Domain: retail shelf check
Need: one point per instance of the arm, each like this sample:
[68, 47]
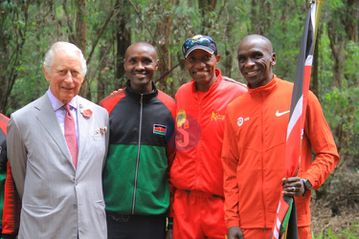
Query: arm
[12, 206]
[171, 151]
[107, 138]
[230, 163]
[322, 143]
[235, 233]
[17, 156]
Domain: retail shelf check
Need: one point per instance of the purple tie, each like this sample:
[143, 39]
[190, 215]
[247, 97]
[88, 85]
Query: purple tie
[70, 134]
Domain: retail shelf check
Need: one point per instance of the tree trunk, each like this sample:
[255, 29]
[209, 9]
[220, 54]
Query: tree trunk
[350, 20]
[228, 53]
[164, 28]
[81, 25]
[103, 68]
[315, 79]
[11, 54]
[123, 40]
[205, 7]
[260, 16]
[337, 45]
[80, 39]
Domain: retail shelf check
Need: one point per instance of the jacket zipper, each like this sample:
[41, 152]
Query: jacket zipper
[138, 156]
[262, 161]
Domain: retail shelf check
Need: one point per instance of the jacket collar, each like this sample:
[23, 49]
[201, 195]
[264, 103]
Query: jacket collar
[213, 86]
[265, 89]
[130, 92]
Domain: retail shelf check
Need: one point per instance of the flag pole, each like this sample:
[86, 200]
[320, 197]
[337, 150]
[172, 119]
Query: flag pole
[286, 211]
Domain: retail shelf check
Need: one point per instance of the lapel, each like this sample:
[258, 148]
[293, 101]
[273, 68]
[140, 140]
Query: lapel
[47, 118]
[83, 129]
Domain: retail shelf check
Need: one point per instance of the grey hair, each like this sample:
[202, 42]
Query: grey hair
[68, 47]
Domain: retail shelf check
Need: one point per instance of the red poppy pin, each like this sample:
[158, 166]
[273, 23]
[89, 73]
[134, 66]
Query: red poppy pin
[86, 113]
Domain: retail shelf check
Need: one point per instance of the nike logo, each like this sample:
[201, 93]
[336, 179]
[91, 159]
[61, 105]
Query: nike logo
[279, 114]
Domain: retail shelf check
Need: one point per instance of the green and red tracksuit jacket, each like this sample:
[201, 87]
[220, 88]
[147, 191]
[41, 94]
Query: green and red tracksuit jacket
[9, 198]
[141, 148]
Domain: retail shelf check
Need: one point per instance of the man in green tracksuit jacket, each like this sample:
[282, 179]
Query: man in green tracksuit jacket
[135, 178]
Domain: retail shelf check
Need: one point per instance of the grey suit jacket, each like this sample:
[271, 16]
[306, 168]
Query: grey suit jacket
[57, 200]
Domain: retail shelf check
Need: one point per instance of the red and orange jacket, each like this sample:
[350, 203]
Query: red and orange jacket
[199, 134]
[254, 150]
[9, 197]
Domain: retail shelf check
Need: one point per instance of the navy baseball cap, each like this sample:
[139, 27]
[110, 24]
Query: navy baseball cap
[202, 42]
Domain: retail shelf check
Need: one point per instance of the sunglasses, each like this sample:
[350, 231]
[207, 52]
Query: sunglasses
[199, 40]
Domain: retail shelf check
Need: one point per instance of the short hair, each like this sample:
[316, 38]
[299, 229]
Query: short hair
[144, 43]
[64, 46]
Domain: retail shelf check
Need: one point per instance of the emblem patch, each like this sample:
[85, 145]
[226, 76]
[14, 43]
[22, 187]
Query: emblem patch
[181, 118]
[217, 116]
[160, 129]
[241, 120]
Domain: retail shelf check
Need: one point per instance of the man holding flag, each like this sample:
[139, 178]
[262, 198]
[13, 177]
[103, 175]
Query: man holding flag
[253, 153]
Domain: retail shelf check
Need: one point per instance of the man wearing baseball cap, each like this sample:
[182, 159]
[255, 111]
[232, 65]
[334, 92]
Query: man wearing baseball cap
[197, 173]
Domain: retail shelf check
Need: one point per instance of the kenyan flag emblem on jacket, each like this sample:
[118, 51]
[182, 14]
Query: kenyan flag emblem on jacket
[159, 129]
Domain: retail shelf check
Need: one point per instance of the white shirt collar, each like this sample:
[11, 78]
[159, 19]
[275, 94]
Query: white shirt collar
[57, 104]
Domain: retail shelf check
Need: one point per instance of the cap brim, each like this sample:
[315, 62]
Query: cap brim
[199, 47]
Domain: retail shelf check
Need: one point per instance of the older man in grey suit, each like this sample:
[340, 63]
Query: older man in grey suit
[56, 146]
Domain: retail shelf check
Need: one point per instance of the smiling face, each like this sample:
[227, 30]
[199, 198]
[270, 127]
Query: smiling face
[255, 60]
[201, 66]
[140, 64]
[65, 74]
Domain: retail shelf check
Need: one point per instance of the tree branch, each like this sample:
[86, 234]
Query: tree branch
[113, 13]
[144, 24]
[68, 22]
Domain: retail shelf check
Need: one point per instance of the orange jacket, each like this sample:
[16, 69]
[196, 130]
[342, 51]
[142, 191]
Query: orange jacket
[199, 134]
[254, 149]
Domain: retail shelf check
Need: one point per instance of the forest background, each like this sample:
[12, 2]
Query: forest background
[104, 29]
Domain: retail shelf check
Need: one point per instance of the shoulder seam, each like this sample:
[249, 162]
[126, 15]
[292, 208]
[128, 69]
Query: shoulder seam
[233, 81]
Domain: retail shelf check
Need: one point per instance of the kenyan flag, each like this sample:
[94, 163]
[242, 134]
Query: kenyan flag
[285, 225]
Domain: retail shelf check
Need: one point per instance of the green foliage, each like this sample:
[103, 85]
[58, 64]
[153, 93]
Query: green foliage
[351, 67]
[325, 62]
[342, 113]
[226, 21]
[282, 21]
[351, 232]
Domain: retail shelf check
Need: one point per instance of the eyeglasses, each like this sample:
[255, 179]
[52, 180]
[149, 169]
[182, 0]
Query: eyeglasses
[199, 42]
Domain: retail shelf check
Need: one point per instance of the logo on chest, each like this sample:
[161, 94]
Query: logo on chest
[281, 113]
[216, 116]
[241, 120]
[188, 131]
[159, 129]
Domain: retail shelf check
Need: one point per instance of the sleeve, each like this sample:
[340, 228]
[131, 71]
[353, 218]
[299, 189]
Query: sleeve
[230, 162]
[17, 156]
[171, 144]
[12, 206]
[171, 153]
[322, 143]
[107, 137]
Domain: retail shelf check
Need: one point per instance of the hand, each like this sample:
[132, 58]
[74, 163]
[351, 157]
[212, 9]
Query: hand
[169, 234]
[115, 92]
[293, 186]
[235, 233]
[169, 227]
